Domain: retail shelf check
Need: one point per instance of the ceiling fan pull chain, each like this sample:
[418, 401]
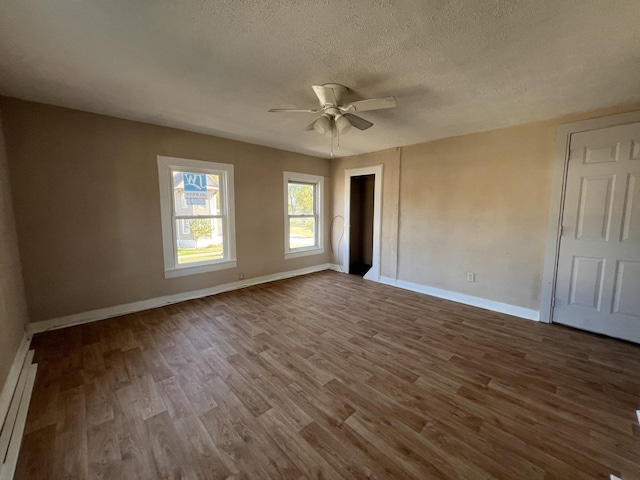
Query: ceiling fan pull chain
[332, 145]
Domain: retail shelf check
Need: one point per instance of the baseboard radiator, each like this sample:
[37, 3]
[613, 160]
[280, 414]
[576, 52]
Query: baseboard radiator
[14, 418]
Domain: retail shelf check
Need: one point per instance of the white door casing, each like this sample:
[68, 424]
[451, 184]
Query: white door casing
[376, 170]
[598, 268]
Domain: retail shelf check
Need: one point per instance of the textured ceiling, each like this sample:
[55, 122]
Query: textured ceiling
[217, 66]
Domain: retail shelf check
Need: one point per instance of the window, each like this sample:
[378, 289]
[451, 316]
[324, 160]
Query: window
[303, 214]
[198, 228]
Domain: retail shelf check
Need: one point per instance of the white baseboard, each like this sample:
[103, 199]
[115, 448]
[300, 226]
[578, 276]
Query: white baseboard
[479, 302]
[10, 384]
[14, 405]
[117, 310]
[11, 438]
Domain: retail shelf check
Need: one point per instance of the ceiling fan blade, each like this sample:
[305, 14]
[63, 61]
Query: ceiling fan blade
[370, 104]
[325, 94]
[293, 110]
[309, 127]
[358, 122]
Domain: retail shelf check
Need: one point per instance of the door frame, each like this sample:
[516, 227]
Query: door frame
[376, 170]
[556, 206]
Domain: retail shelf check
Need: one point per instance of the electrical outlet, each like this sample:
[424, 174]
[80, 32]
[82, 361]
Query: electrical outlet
[471, 277]
[241, 276]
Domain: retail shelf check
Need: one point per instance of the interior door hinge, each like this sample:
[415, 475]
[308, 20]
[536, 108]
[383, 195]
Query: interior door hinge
[553, 302]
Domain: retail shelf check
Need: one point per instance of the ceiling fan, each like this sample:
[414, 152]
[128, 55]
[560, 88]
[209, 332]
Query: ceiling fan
[336, 115]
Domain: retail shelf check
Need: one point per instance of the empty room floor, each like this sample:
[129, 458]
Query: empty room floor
[330, 376]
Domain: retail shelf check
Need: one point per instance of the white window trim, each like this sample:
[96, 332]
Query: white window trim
[319, 208]
[171, 267]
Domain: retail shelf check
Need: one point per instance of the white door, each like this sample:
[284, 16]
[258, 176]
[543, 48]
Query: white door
[598, 279]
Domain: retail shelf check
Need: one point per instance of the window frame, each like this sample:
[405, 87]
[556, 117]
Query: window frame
[168, 208]
[318, 214]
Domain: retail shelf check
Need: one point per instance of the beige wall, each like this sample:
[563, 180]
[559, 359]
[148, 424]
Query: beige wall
[13, 309]
[88, 215]
[390, 160]
[474, 203]
[88, 220]
[480, 203]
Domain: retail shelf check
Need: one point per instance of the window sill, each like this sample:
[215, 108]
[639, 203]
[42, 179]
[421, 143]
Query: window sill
[196, 269]
[303, 252]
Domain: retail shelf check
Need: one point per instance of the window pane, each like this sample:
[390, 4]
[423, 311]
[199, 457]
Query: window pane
[302, 232]
[202, 243]
[196, 193]
[301, 198]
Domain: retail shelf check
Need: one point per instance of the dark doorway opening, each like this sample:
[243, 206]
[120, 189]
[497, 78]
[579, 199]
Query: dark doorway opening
[361, 224]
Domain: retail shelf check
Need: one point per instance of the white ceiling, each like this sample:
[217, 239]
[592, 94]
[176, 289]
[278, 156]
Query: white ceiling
[215, 67]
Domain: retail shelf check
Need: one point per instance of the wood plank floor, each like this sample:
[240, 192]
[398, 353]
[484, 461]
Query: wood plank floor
[330, 376]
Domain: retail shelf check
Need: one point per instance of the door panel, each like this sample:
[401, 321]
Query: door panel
[601, 154]
[635, 150]
[631, 222]
[627, 289]
[598, 277]
[595, 207]
[586, 282]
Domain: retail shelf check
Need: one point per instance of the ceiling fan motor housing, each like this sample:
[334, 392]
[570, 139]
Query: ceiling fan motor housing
[338, 97]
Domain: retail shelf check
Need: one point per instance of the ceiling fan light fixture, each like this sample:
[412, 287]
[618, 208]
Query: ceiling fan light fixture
[322, 125]
[343, 124]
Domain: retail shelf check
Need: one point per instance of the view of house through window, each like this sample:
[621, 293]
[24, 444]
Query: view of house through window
[199, 219]
[197, 208]
[303, 228]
